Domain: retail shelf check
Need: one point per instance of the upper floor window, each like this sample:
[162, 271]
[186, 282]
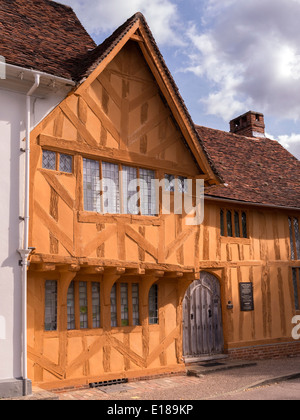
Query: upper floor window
[172, 182]
[57, 161]
[294, 238]
[233, 223]
[118, 189]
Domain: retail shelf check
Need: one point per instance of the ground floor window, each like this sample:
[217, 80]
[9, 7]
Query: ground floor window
[153, 305]
[124, 305]
[83, 305]
[51, 305]
[296, 284]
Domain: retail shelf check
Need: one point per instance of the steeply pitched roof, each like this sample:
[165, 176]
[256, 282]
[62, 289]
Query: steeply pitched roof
[43, 35]
[95, 57]
[256, 170]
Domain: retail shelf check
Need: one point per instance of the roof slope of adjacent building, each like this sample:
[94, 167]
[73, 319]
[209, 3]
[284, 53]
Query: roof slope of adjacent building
[43, 35]
[256, 170]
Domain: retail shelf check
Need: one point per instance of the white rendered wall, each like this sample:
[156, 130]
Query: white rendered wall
[12, 131]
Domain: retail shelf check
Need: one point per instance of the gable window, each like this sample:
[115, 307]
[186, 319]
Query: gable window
[124, 305]
[51, 305]
[296, 284]
[294, 238]
[118, 189]
[233, 223]
[172, 181]
[83, 305]
[54, 161]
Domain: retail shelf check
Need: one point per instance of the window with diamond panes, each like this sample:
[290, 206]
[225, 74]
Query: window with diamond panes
[49, 160]
[294, 237]
[130, 190]
[66, 163]
[118, 189]
[110, 179]
[153, 305]
[51, 305]
[147, 192]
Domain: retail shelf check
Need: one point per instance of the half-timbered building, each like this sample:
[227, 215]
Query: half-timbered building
[118, 288]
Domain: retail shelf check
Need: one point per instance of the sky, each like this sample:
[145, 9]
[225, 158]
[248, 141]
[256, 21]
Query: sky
[226, 56]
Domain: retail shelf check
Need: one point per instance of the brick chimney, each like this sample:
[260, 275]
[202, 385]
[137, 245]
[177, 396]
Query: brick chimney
[251, 124]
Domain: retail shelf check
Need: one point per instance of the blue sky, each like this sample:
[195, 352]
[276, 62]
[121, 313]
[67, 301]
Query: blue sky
[226, 56]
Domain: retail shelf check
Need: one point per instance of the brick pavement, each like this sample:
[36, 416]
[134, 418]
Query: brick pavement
[178, 388]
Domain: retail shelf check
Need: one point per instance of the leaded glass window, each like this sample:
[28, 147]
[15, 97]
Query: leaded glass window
[71, 307]
[124, 305]
[49, 160]
[96, 304]
[113, 306]
[135, 304]
[66, 163]
[51, 305]
[153, 305]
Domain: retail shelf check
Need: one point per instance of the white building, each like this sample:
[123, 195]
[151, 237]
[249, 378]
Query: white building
[38, 53]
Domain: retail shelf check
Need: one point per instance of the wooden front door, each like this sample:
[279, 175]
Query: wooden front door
[202, 318]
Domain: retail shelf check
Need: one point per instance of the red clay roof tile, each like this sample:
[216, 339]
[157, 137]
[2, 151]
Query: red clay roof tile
[43, 35]
[256, 170]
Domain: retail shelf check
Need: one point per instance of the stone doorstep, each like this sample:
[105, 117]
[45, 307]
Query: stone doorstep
[213, 366]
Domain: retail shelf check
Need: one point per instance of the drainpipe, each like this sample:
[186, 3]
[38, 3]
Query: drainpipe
[25, 252]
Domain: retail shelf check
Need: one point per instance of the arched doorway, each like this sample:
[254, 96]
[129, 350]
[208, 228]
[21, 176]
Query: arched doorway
[202, 318]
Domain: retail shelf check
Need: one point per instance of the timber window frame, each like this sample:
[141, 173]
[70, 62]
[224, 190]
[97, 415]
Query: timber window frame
[125, 304]
[50, 321]
[296, 287]
[234, 223]
[171, 181]
[123, 178]
[294, 228]
[59, 162]
[153, 310]
[83, 305]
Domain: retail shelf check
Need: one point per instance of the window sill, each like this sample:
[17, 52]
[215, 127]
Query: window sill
[229, 239]
[93, 217]
[54, 172]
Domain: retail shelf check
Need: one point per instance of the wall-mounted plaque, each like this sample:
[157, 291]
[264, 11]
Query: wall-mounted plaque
[246, 297]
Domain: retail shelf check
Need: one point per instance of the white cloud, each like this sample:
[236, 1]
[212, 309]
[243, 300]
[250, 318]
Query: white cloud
[100, 16]
[249, 51]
